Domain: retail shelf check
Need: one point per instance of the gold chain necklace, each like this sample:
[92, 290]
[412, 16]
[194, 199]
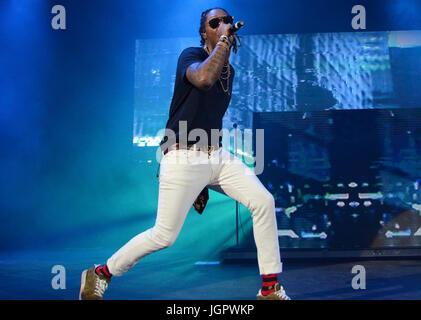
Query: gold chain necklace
[225, 75]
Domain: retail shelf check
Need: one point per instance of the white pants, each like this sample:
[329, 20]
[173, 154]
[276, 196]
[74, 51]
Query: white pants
[183, 175]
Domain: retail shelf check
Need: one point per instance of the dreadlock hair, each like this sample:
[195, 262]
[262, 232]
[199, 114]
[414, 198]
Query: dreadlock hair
[202, 28]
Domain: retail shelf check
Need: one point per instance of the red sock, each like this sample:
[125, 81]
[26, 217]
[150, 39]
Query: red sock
[269, 281]
[103, 269]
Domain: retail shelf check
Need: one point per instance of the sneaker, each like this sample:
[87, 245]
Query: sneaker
[92, 285]
[279, 294]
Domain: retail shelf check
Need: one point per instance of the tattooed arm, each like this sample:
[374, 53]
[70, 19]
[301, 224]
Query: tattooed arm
[203, 75]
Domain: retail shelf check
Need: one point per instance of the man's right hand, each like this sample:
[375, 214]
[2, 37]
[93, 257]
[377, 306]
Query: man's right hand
[224, 29]
[204, 75]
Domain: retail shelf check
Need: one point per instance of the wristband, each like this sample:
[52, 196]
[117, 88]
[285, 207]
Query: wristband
[225, 39]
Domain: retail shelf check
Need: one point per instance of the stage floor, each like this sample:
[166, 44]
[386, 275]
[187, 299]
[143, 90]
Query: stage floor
[164, 276]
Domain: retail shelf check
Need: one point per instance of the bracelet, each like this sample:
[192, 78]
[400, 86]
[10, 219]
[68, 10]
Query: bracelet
[225, 39]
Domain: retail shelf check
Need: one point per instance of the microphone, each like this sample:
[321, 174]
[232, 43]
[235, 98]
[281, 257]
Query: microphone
[237, 26]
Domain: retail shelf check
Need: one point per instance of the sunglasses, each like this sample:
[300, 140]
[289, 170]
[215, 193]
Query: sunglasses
[214, 23]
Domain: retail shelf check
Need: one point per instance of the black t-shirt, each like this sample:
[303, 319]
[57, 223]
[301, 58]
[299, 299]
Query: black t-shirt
[199, 108]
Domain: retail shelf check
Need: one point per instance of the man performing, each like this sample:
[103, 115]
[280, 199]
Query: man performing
[202, 93]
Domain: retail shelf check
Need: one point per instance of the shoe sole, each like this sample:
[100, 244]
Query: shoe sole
[82, 283]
